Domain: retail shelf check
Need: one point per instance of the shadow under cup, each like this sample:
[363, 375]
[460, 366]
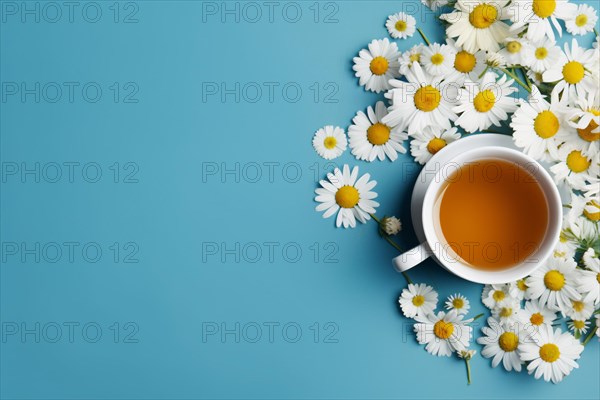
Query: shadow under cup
[492, 215]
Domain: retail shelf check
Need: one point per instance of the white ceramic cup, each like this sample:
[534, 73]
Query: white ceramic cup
[436, 247]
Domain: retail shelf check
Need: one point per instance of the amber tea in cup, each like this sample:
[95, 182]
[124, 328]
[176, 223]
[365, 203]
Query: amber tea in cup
[492, 213]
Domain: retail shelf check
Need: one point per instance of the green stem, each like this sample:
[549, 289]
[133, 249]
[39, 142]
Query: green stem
[394, 245]
[526, 77]
[483, 72]
[477, 317]
[520, 82]
[590, 336]
[423, 36]
[595, 32]
[468, 371]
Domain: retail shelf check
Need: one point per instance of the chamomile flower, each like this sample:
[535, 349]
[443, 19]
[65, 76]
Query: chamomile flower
[419, 102]
[543, 55]
[540, 126]
[371, 139]
[579, 327]
[418, 299]
[438, 59]
[538, 17]
[575, 167]
[501, 344]
[467, 66]
[537, 314]
[585, 117]
[583, 21]
[390, 225]
[589, 279]
[409, 57]
[586, 207]
[566, 247]
[508, 312]
[535, 77]
[580, 309]
[598, 325]
[583, 229]
[554, 284]
[443, 333]
[376, 65]
[330, 142]
[517, 51]
[426, 143]
[495, 60]
[348, 196]
[518, 289]
[495, 295]
[478, 24]
[574, 72]
[551, 354]
[486, 103]
[401, 25]
[459, 303]
[466, 354]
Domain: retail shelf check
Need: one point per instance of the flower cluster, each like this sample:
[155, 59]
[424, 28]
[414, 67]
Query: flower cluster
[444, 332]
[438, 91]
[521, 329]
[435, 93]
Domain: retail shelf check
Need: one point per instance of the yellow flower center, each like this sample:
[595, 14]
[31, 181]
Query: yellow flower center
[401, 26]
[506, 312]
[541, 53]
[546, 124]
[498, 295]
[578, 305]
[536, 319]
[464, 62]
[435, 145]
[443, 329]
[513, 47]
[437, 59]
[579, 324]
[379, 65]
[418, 300]
[347, 196]
[577, 162]
[483, 16]
[484, 101]
[587, 134]
[330, 142]
[581, 20]
[598, 279]
[544, 8]
[573, 72]
[427, 98]
[458, 303]
[378, 134]
[554, 280]
[549, 352]
[522, 285]
[508, 341]
[593, 216]
[415, 58]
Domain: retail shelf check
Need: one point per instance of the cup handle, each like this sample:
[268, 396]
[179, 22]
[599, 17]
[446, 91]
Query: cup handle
[412, 257]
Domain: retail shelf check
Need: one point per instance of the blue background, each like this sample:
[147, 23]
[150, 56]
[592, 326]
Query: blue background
[171, 135]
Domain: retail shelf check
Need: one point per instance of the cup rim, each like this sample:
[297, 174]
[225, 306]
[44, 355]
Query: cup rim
[517, 271]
